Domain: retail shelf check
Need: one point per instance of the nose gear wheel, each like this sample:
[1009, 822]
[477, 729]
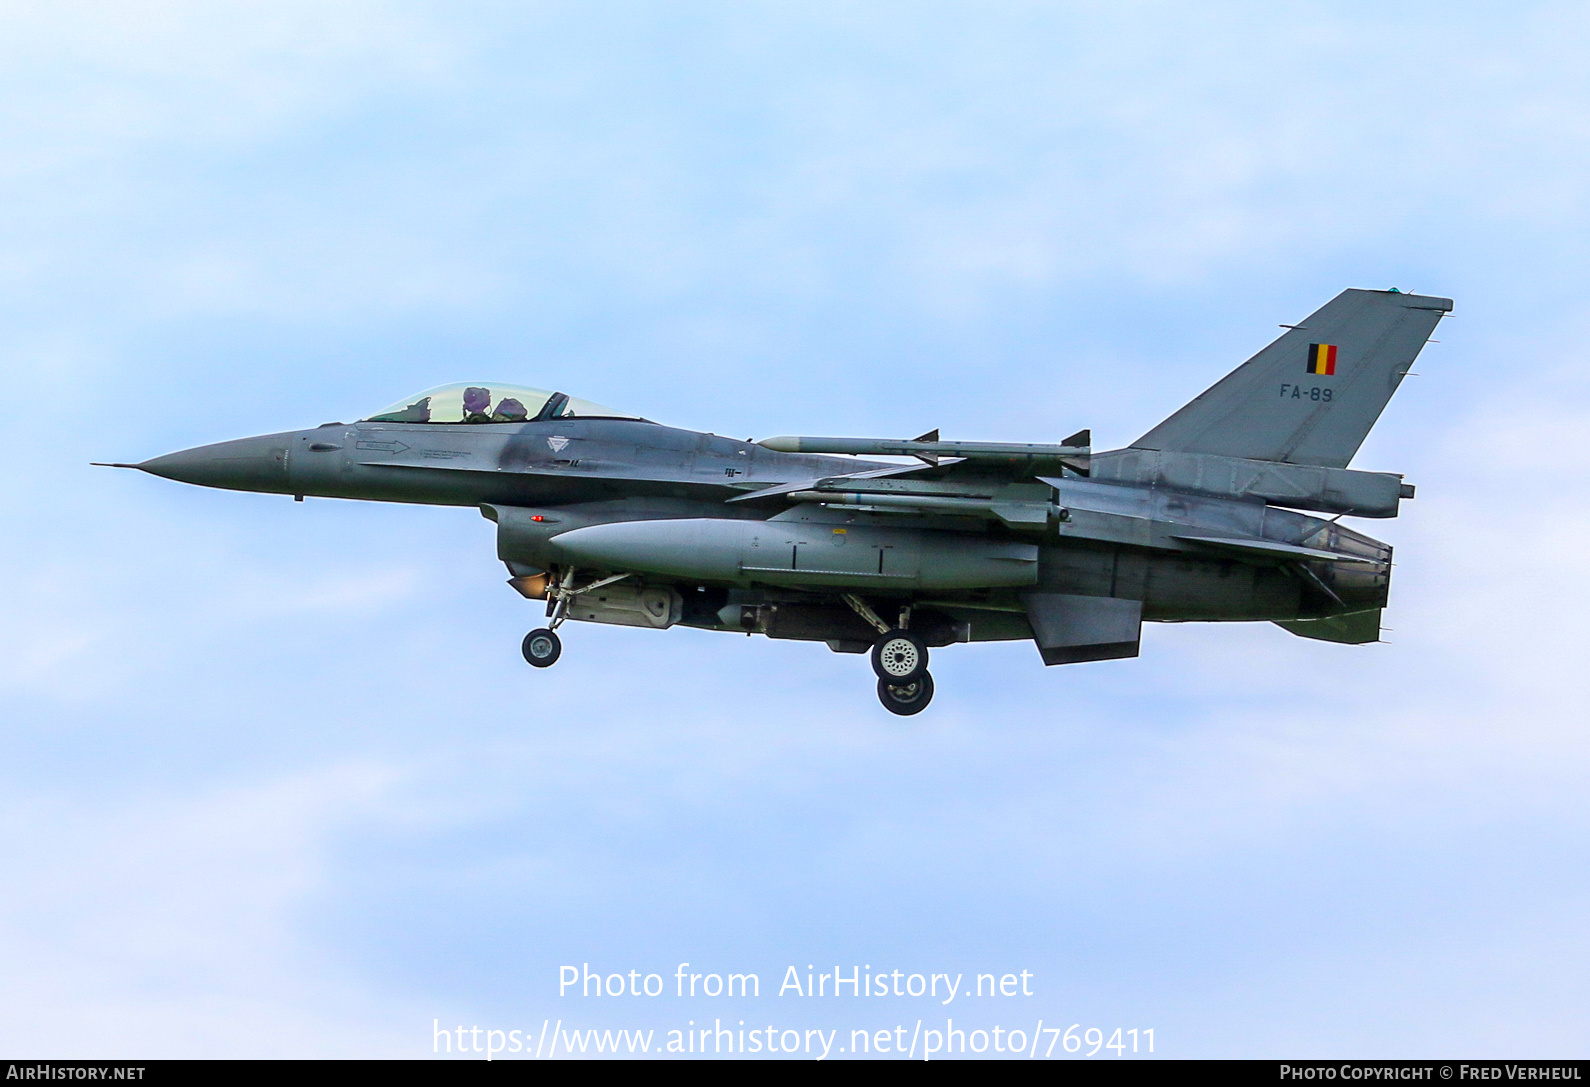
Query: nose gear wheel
[542, 648]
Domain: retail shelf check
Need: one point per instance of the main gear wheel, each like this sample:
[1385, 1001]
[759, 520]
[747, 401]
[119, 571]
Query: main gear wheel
[899, 656]
[906, 698]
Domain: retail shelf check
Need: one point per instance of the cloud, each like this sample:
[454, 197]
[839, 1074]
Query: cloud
[167, 925]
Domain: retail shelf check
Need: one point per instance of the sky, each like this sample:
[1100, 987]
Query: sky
[274, 779]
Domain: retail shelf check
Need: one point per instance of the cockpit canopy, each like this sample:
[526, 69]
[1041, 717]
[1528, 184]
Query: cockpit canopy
[491, 403]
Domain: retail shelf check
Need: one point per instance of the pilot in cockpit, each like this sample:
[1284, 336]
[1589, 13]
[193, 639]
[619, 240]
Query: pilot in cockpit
[455, 404]
[477, 405]
[509, 410]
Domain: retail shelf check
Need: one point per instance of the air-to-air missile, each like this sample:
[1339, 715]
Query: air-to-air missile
[608, 517]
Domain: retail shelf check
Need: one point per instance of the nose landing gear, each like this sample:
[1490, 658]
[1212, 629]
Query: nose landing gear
[542, 647]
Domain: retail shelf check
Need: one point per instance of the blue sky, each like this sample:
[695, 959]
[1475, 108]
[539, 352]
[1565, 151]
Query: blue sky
[274, 779]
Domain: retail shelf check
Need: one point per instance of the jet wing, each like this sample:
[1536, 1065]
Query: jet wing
[902, 490]
[956, 460]
[962, 475]
[819, 482]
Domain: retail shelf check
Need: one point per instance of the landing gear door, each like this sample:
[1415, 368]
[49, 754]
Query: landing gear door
[1070, 629]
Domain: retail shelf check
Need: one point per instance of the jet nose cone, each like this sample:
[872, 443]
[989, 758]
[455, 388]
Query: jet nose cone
[248, 464]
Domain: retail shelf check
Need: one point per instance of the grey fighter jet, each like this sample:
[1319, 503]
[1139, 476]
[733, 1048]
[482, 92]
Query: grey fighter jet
[608, 517]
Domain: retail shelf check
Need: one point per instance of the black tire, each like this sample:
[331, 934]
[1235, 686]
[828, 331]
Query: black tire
[910, 698]
[542, 648]
[899, 657]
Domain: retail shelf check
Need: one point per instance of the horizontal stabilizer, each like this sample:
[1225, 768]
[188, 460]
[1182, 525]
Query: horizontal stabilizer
[1312, 395]
[1070, 629]
[1301, 486]
[1354, 628]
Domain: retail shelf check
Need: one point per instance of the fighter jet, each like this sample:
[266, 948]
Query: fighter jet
[608, 517]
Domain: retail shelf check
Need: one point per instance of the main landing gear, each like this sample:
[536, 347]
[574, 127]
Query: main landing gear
[900, 659]
[904, 685]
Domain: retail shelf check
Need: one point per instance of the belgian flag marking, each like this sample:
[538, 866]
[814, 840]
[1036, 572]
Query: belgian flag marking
[1322, 358]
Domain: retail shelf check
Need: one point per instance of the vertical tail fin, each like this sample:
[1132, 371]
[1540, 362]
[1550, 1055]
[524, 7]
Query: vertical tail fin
[1312, 395]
